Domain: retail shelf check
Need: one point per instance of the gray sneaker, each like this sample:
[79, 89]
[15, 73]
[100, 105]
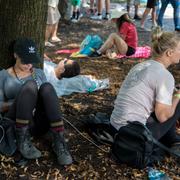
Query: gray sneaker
[24, 144]
[60, 148]
[96, 17]
[107, 17]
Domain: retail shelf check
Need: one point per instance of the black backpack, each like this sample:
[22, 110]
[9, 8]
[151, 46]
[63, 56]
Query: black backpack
[135, 146]
[7, 136]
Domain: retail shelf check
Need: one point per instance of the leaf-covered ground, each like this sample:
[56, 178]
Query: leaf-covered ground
[89, 161]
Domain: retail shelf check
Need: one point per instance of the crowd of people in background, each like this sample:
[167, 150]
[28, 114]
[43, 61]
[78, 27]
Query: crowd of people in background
[99, 10]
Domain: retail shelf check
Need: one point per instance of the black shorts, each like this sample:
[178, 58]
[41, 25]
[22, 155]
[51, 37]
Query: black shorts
[151, 3]
[130, 51]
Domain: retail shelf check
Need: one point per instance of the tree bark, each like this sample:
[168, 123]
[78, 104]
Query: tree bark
[63, 6]
[21, 18]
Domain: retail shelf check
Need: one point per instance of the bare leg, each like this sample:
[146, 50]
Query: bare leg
[48, 32]
[91, 4]
[54, 30]
[136, 6]
[107, 4]
[99, 7]
[146, 12]
[154, 17]
[114, 40]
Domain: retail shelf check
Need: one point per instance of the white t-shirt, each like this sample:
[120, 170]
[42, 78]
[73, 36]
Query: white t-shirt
[146, 83]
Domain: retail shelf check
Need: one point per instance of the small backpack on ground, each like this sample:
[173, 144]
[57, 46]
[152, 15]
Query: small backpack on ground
[97, 126]
[135, 146]
[90, 44]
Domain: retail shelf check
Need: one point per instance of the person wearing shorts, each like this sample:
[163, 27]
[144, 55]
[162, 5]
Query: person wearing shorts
[151, 4]
[76, 12]
[125, 41]
[136, 6]
[52, 23]
[99, 16]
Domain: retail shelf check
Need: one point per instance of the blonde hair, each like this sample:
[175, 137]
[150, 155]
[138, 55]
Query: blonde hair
[161, 41]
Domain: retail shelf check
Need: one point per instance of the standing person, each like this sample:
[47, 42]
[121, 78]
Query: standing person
[99, 10]
[176, 6]
[25, 96]
[52, 23]
[136, 6]
[125, 41]
[151, 4]
[148, 93]
[76, 12]
[92, 7]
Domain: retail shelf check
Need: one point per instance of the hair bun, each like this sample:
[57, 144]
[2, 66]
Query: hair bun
[156, 33]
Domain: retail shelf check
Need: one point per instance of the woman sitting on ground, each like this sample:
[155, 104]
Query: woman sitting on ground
[27, 98]
[148, 93]
[125, 41]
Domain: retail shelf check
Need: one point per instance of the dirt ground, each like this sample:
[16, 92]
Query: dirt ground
[89, 161]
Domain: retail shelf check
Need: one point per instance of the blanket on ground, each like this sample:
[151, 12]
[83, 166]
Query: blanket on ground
[141, 52]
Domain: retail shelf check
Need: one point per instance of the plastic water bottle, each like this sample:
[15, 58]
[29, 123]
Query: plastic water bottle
[154, 174]
[92, 88]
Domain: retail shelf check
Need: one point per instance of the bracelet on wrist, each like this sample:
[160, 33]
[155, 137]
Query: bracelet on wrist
[177, 95]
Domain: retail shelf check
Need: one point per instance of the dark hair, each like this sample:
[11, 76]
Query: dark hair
[71, 70]
[122, 19]
[11, 53]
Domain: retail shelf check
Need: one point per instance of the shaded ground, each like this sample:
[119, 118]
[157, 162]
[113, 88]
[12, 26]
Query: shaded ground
[89, 161]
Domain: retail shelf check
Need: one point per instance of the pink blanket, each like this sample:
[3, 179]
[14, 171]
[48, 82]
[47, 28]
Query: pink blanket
[66, 51]
[141, 52]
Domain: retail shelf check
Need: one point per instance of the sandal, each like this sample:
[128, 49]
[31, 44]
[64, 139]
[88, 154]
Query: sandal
[55, 40]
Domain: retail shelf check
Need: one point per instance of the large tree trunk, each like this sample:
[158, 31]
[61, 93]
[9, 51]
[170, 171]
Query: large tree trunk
[21, 18]
[63, 5]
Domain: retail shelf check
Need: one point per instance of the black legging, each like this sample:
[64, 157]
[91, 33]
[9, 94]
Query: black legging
[40, 106]
[165, 132]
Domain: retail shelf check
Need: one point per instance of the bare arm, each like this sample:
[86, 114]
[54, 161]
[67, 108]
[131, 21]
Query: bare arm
[164, 112]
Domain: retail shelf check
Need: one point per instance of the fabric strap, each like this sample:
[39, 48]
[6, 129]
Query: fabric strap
[156, 142]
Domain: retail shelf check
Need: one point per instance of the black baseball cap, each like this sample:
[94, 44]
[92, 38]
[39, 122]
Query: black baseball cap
[26, 49]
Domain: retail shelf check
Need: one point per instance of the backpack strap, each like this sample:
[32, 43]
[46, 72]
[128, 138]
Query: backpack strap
[156, 142]
[2, 129]
[2, 134]
[162, 146]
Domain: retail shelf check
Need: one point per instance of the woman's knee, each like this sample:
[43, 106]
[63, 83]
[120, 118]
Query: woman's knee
[113, 36]
[46, 88]
[29, 87]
